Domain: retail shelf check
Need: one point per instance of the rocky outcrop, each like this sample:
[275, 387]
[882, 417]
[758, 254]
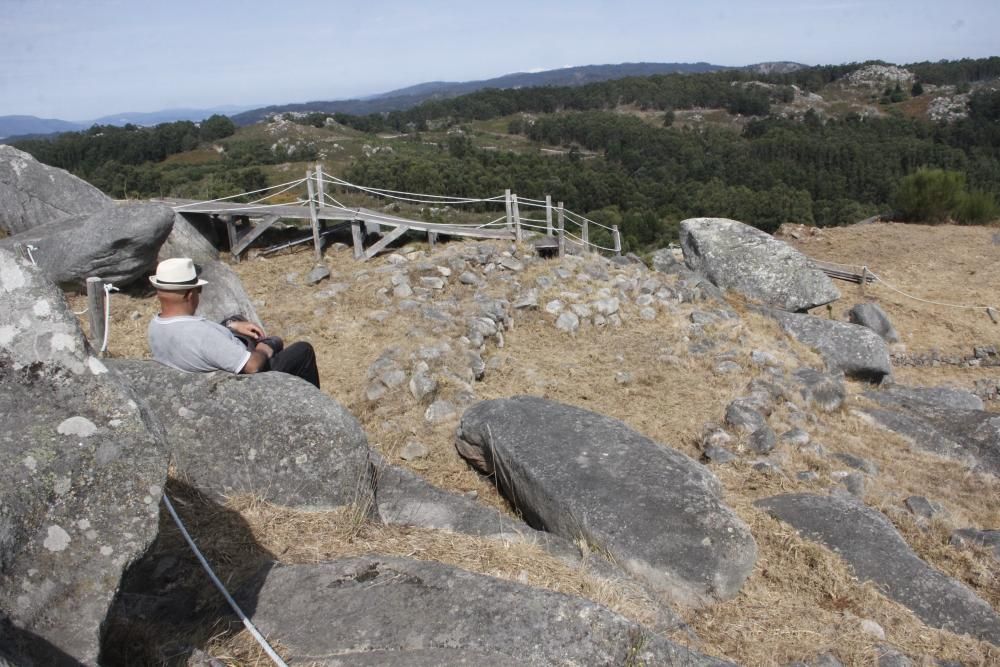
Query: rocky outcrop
[578, 474]
[377, 610]
[738, 257]
[268, 434]
[947, 422]
[224, 294]
[81, 473]
[33, 194]
[870, 315]
[117, 243]
[876, 552]
[186, 239]
[848, 348]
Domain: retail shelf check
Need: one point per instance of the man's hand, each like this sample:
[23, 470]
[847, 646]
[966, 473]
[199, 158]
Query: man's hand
[248, 329]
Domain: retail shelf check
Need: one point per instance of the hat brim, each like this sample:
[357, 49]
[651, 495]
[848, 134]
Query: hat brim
[176, 287]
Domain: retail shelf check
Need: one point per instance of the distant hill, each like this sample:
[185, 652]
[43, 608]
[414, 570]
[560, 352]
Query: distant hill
[405, 98]
[22, 126]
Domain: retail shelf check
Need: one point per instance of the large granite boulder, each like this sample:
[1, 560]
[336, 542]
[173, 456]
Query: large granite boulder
[377, 610]
[32, 193]
[187, 239]
[118, 243]
[854, 350]
[948, 422]
[269, 434]
[224, 294]
[876, 552]
[81, 473]
[738, 257]
[578, 474]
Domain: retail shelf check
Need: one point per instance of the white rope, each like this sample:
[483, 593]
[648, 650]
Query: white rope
[434, 199]
[249, 207]
[610, 229]
[330, 197]
[29, 248]
[917, 298]
[529, 199]
[523, 224]
[108, 289]
[275, 194]
[247, 623]
[251, 192]
[82, 312]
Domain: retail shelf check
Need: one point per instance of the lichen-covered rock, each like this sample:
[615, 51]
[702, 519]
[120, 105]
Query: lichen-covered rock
[187, 238]
[81, 473]
[741, 258]
[580, 474]
[32, 193]
[224, 294]
[118, 243]
[876, 552]
[870, 315]
[378, 610]
[851, 349]
[268, 434]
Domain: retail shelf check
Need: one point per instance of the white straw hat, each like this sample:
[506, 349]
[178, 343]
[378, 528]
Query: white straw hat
[176, 274]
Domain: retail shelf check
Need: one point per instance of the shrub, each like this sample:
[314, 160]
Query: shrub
[977, 207]
[930, 195]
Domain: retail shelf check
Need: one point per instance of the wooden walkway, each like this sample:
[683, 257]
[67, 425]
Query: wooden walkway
[842, 272]
[373, 221]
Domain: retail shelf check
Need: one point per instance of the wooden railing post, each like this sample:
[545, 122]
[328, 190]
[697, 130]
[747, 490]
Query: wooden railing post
[548, 215]
[561, 222]
[517, 218]
[585, 233]
[95, 310]
[510, 220]
[314, 218]
[618, 239]
[320, 186]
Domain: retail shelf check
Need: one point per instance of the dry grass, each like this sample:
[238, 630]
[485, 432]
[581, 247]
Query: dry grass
[801, 599]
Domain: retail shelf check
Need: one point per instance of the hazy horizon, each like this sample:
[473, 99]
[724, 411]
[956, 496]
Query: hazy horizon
[80, 61]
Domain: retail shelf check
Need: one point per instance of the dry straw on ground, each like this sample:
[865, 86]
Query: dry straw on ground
[801, 599]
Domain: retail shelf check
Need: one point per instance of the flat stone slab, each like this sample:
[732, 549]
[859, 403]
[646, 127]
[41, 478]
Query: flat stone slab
[940, 420]
[876, 552]
[738, 257]
[269, 434]
[377, 610]
[854, 350]
[575, 473]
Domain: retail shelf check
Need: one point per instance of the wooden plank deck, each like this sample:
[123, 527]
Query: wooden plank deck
[842, 272]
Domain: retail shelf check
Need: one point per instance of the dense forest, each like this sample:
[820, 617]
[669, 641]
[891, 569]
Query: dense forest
[618, 168]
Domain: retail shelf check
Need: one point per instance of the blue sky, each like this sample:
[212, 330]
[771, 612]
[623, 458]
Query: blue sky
[81, 59]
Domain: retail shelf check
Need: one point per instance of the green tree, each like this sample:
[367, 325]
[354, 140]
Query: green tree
[930, 195]
[216, 127]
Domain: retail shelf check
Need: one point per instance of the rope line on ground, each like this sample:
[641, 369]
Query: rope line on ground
[251, 192]
[917, 298]
[108, 289]
[247, 623]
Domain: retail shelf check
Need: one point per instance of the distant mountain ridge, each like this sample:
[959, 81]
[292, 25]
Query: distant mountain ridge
[19, 126]
[410, 96]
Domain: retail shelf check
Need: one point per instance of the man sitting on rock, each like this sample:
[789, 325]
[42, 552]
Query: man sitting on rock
[180, 339]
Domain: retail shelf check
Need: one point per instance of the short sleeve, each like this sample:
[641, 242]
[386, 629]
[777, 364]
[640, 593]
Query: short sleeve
[219, 348]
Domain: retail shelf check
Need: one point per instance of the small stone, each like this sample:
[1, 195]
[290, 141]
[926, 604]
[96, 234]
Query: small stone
[763, 440]
[568, 322]
[432, 282]
[741, 415]
[648, 313]
[422, 386]
[762, 358]
[726, 368]
[444, 271]
[375, 391]
[872, 628]
[511, 264]
[378, 315]
[623, 377]
[607, 306]
[807, 476]
[440, 411]
[554, 307]
[795, 437]
[413, 450]
[767, 467]
[857, 463]
[396, 259]
[318, 273]
[717, 454]
[528, 299]
[402, 291]
[393, 378]
[468, 278]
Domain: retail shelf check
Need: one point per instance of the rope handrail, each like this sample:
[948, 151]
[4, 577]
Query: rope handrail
[247, 623]
[251, 192]
[257, 207]
[917, 298]
[588, 220]
[436, 199]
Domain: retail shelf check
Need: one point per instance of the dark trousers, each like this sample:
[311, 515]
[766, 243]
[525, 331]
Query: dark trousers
[297, 359]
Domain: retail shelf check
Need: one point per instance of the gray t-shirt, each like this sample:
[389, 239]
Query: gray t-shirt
[191, 343]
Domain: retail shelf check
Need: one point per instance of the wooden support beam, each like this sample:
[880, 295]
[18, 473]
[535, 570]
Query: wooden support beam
[230, 222]
[548, 215]
[517, 218]
[618, 239]
[432, 238]
[320, 186]
[251, 235]
[561, 222]
[95, 312]
[585, 233]
[385, 241]
[358, 238]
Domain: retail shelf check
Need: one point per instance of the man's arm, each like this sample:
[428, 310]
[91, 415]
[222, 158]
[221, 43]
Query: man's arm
[258, 360]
